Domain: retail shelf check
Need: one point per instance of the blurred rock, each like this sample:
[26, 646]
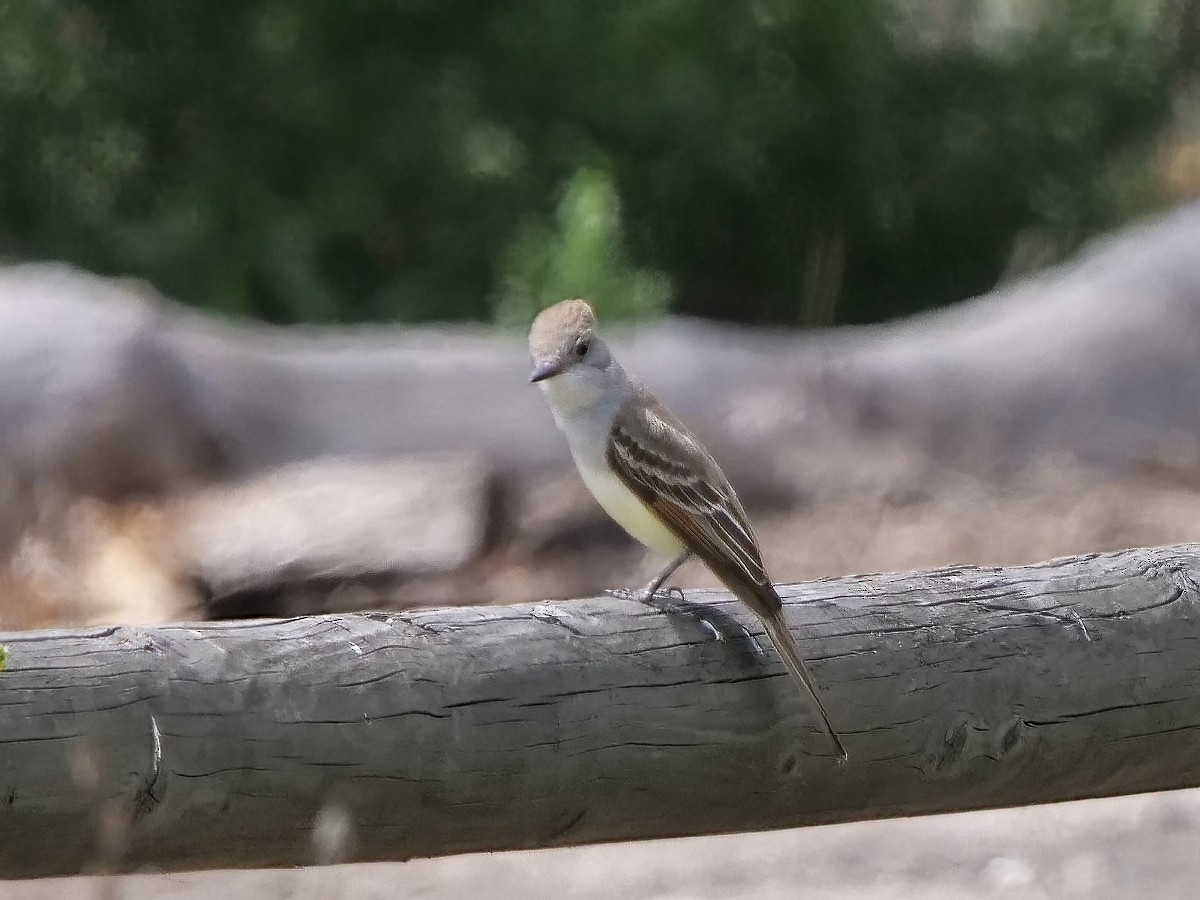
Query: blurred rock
[334, 520]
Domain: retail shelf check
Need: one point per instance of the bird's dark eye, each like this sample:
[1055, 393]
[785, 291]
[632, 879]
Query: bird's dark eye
[581, 349]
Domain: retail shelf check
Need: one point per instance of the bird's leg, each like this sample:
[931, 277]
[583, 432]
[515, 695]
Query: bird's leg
[648, 593]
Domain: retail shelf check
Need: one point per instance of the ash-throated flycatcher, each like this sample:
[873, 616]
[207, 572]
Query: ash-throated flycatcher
[651, 474]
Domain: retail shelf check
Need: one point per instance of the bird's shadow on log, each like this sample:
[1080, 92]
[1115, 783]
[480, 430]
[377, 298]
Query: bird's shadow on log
[744, 648]
[752, 657]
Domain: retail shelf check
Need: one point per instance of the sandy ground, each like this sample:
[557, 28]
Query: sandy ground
[1136, 846]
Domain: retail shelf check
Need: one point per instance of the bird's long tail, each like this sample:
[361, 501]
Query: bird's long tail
[785, 646]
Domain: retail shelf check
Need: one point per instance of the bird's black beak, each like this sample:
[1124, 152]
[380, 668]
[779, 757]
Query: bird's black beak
[544, 370]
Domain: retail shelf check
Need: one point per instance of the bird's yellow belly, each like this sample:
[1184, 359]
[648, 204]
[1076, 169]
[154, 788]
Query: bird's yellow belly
[629, 511]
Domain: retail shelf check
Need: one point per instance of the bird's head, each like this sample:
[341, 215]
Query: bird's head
[563, 341]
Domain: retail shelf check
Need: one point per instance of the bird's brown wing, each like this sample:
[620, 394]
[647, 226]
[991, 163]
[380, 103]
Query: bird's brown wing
[656, 456]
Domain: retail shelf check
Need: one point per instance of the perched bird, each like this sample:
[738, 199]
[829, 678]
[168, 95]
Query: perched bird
[651, 474]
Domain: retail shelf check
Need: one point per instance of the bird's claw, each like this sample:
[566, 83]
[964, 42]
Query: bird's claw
[671, 593]
[645, 595]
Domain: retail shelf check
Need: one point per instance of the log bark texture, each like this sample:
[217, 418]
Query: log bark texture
[389, 735]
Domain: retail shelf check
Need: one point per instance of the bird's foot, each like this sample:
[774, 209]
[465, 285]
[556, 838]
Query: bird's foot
[647, 595]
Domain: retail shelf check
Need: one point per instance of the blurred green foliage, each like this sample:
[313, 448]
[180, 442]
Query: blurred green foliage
[582, 258]
[774, 160]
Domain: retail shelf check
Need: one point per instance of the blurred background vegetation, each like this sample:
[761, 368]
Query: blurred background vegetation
[792, 161]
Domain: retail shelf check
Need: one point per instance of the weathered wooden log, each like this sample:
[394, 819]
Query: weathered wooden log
[388, 735]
